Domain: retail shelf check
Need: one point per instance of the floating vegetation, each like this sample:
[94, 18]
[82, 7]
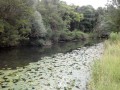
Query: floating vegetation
[69, 71]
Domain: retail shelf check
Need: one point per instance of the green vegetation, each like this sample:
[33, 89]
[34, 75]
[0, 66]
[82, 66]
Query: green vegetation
[43, 22]
[14, 21]
[34, 22]
[74, 35]
[106, 75]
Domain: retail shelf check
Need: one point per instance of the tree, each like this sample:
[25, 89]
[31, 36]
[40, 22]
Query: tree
[89, 21]
[14, 21]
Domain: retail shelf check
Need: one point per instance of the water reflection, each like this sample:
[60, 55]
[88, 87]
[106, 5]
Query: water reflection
[22, 56]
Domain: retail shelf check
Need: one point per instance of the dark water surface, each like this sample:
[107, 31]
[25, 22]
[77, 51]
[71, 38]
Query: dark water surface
[22, 56]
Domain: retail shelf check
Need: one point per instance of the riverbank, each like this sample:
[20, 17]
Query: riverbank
[106, 72]
[70, 71]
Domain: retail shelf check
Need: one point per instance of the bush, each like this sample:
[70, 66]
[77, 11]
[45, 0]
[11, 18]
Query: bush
[114, 36]
[55, 36]
[80, 35]
[9, 36]
[66, 36]
[14, 22]
[74, 35]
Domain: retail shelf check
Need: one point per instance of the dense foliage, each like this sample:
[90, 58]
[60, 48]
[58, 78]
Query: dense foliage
[108, 18]
[35, 22]
[14, 21]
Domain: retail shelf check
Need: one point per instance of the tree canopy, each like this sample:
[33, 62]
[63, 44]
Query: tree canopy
[35, 22]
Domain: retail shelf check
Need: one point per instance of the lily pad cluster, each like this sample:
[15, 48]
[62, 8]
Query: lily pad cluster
[70, 71]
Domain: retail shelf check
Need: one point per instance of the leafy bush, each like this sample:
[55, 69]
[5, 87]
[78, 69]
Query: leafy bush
[74, 35]
[80, 35]
[114, 36]
[9, 35]
[55, 36]
[14, 21]
[66, 36]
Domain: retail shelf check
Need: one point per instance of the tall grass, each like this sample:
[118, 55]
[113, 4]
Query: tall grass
[106, 72]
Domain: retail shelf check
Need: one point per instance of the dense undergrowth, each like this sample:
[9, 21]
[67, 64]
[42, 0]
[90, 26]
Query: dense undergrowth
[106, 71]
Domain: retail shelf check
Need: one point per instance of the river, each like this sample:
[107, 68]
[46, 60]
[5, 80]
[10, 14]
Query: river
[22, 56]
[63, 66]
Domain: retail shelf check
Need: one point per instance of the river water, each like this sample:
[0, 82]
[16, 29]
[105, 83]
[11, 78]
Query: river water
[63, 66]
[22, 56]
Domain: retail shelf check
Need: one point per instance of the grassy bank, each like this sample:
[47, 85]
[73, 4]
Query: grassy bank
[106, 72]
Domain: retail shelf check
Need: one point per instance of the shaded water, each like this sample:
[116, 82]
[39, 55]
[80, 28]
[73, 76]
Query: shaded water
[22, 56]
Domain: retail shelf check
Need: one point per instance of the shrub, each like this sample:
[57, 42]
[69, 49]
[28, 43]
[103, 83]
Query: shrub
[114, 36]
[74, 35]
[80, 35]
[55, 36]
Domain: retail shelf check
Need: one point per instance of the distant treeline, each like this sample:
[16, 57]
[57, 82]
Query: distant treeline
[34, 22]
